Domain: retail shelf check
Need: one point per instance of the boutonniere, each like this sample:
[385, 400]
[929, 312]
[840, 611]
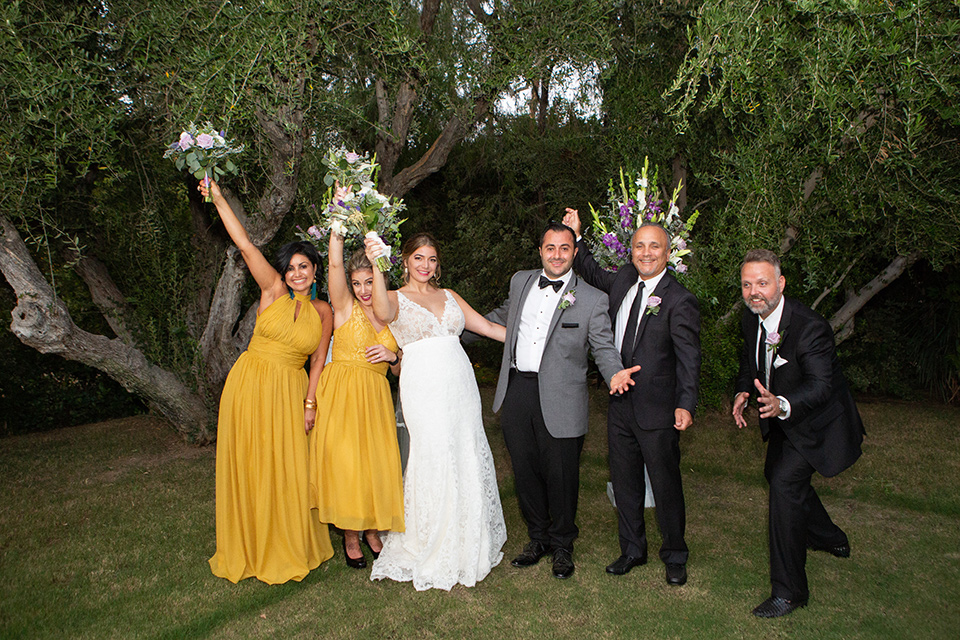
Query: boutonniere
[567, 299]
[653, 305]
[773, 342]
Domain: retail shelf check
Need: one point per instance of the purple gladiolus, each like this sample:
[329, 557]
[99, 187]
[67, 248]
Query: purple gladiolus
[186, 141]
[681, 268]
[313, 231]
[204, 141]
[352, 157]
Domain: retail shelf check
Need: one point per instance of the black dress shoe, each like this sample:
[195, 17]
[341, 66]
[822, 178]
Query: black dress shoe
[359, 563]
[676, 574]
[376, 554]
[775, 607]
[562, 564]
[623, 564]
[838, 550]
[531, 554]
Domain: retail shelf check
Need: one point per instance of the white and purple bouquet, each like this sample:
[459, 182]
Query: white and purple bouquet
[363, 211]
[204, 152]
[629, 205]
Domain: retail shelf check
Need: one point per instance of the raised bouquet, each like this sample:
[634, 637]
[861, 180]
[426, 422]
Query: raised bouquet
[204, 152]
[630, 204]
[362, 212]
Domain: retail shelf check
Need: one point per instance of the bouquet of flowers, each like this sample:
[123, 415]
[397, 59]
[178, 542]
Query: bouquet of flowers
[363, 212]
[630, 204]
[202, 150]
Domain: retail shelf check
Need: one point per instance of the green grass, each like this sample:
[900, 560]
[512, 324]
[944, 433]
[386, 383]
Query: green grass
[105, 532]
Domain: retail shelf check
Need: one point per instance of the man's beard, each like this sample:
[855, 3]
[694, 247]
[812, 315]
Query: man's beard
[766, 307]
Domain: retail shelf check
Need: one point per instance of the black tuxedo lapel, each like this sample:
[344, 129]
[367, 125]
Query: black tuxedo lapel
[660, 292]
[785, 317]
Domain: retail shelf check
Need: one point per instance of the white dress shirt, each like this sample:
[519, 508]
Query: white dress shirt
[772, 325]
[535, 318]
[623, 314]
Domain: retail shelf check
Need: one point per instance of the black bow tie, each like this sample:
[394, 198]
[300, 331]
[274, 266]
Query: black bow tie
[547, 282]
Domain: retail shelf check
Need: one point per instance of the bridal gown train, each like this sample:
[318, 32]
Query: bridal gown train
[454, 522]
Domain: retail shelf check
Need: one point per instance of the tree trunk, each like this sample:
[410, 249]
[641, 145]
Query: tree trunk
[842, 320]
[41, 321]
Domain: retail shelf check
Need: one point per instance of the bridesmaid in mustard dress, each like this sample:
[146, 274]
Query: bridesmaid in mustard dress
[264, 528]
[355, 478]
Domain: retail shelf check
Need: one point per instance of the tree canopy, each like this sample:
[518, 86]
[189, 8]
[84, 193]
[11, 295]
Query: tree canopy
[825, 129]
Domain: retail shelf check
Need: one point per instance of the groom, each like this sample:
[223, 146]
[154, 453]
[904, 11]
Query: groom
[552, 318]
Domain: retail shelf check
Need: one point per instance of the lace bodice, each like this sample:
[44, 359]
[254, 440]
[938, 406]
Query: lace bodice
[415, 322]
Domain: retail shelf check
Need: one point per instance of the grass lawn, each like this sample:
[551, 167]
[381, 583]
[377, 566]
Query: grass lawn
[105, 532]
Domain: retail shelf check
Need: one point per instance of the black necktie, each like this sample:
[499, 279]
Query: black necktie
[547, 282]
[630, 333]
[762, 356]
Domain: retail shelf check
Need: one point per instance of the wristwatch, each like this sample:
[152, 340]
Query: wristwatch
[783, 405]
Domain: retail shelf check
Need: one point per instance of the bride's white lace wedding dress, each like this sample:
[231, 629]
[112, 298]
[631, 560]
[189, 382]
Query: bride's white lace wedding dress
[454, 522]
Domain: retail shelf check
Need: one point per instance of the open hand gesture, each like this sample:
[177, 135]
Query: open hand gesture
[622, 380]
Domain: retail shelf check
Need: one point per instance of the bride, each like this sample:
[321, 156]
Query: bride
[454, 522]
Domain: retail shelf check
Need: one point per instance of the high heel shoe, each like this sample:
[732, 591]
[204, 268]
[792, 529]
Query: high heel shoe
[358, 563]
[376, 554]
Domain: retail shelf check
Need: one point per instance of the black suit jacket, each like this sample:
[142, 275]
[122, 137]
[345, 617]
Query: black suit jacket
[667, 346]
[824, 423]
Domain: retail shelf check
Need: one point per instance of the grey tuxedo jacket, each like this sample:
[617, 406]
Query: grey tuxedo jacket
[573, 332]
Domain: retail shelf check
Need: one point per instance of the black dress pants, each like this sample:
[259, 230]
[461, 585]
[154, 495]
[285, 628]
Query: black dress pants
[546, 469]
[797, 517]
[630, 447]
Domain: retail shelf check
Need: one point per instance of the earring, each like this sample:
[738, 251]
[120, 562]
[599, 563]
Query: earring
[313, 290]
[291, 292]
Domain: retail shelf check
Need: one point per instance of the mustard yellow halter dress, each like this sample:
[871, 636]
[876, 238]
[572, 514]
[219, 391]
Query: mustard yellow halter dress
[264, 528]
[355, 479]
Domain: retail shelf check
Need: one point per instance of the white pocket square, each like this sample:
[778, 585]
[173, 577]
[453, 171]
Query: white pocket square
[779, 362]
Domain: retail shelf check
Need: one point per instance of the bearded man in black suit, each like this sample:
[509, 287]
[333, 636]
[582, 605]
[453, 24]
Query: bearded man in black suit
[656, 326]
[807, 416]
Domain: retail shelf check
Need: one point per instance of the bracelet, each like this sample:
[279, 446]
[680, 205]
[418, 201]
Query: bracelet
[310, 404]
[396, 360]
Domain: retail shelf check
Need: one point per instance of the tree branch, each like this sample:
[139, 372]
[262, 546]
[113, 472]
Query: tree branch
[41, 321]
[844, 316]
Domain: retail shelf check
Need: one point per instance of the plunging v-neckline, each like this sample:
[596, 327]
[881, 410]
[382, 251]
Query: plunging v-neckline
[446, 300]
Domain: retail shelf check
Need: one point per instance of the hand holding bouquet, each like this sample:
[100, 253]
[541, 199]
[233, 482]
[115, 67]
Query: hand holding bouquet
[202, 150]
[356, 210]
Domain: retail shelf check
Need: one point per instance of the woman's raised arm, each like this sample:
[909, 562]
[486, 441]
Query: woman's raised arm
[262, 271]
[385, 304]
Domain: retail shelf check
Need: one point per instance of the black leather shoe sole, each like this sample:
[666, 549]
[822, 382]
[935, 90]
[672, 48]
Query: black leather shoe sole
[776, 607]
[839, 551]
[623, 564]
[563, 566]
[530, 555]
[676, 574]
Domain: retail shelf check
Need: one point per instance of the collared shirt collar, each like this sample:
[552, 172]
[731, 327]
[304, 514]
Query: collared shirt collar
[565, 278]
[772, 321]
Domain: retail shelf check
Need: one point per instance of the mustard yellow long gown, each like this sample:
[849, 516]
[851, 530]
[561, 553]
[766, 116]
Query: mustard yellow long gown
[264, 528]
[355, 479]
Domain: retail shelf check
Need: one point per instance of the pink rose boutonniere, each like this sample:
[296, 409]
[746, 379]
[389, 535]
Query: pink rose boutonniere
[567, 300]
[773, 342]
[653, 306]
